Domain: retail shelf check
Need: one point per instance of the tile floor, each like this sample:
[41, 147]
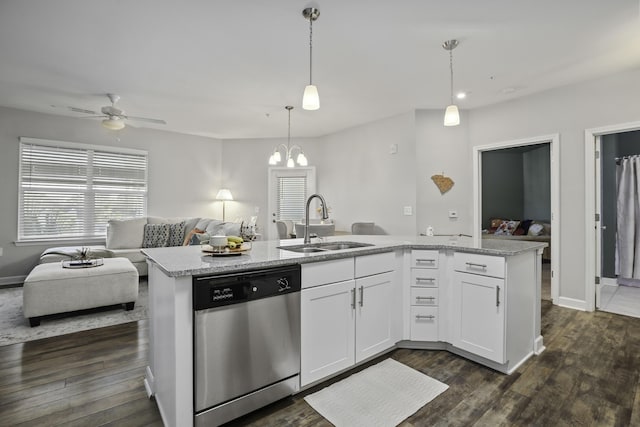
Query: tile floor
[623, 300]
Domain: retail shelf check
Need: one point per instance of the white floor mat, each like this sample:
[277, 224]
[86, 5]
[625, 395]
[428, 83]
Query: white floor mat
[381, 395]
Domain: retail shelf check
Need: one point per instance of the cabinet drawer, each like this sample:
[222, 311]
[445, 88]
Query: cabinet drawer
[424, 277]
[424, 296]
[424, 258]
[424, 323]
[322, 273]
[484, 265]
[368, 265]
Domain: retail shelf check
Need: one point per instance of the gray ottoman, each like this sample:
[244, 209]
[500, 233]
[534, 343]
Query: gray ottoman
[51, 289]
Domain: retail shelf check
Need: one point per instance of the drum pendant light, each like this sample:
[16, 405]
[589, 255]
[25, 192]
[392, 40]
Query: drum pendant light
[451, 115]
[310, 99]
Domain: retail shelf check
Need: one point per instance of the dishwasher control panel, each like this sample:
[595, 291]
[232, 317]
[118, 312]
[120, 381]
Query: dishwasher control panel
[218, 290]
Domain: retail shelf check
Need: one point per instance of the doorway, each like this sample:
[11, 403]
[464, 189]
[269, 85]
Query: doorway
[593, 210]
[616, 292]
[288, 192]
[550, 272]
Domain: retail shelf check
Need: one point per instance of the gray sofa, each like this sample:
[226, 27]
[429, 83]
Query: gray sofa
[126, 238]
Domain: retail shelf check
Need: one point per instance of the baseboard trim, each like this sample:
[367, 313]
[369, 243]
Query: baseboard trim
[11, 281]
[576, 304]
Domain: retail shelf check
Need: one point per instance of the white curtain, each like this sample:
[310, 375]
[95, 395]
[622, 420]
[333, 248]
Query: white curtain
[628, 218]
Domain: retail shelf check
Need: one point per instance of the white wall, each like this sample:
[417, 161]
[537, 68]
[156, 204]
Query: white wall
[443, 150]
[567, 111]
[184, 172]
[362, 181]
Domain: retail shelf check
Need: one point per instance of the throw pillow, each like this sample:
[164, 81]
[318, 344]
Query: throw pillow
[535, 229]
[155, 235]
[176, 234]
[507, 228]
[125, 233]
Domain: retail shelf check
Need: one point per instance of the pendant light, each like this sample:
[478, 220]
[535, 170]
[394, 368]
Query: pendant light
[276, 158]
[451, 115]
[310, 99]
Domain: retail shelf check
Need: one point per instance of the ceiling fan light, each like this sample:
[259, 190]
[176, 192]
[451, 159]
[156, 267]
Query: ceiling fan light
[451, 116]
[113, 124]
[310, 99]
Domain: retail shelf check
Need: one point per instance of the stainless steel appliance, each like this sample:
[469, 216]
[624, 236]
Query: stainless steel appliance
[246, 341]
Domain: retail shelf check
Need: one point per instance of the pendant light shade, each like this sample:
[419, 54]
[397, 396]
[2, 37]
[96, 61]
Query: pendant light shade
[451, 115]
[311, 99]
[276, 157]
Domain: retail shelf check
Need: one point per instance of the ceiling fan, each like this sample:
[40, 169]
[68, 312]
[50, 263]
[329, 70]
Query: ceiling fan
[113, 117]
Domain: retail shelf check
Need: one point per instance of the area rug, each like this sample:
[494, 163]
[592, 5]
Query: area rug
[14, 328]
[382, 395]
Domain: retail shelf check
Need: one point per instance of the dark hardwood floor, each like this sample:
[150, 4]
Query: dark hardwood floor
[588, 375]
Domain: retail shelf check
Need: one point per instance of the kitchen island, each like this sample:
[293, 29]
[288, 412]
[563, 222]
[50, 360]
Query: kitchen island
[432, 295]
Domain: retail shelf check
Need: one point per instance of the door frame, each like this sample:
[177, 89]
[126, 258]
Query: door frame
[554, 141]
[592, 138]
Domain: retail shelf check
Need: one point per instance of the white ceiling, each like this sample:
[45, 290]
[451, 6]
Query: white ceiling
[226, 69]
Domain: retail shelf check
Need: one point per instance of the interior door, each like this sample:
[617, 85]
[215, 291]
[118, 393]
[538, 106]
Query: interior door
[598, 218]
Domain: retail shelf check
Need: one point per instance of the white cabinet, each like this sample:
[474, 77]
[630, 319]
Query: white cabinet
[478, 315]
[346, 322]
[424, 295]
[328, 330]
[375, 313]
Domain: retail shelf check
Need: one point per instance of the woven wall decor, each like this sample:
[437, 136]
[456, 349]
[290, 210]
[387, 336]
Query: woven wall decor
[444, 183]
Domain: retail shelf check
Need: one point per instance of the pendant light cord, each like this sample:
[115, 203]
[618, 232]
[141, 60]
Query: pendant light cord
[310, 48]
[451, 68]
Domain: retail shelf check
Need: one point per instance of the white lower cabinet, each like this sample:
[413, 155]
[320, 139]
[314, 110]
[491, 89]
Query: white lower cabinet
[327, 330]
[374, 315]
[478, 322]
[347, 322]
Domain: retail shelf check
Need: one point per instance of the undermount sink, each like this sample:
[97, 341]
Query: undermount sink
[322, 247]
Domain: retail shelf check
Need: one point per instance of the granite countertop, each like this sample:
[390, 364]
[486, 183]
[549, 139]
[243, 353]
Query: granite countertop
[190, 260]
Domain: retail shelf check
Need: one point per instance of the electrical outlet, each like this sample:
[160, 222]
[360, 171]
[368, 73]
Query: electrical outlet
[453, 213]
[408, 211]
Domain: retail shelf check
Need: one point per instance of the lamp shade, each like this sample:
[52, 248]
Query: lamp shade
[224, 194]
[311, 99]
[113, 123]
[451, 116]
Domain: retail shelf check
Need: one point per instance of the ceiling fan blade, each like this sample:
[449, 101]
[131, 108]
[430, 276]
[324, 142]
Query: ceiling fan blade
[94, 117]
[81, 110]
[145, 119]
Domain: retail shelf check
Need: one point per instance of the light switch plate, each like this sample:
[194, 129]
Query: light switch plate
[408, 210]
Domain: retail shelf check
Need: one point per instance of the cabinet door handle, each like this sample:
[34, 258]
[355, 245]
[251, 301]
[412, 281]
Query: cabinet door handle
[353, 298]
[497, 296]
[473, 264]
[361, 295]
[420, 317]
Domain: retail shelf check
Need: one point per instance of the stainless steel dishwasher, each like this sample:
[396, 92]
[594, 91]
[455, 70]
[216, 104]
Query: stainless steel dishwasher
[246, 341]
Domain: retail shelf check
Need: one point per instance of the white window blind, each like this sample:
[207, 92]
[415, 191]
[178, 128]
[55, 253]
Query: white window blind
[292, 196]
[70, 191]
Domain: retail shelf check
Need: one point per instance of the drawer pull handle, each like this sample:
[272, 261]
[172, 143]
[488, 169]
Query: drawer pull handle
[428, 298]
[425, 279]
[473, 264]
[429, 317]
[425, 260]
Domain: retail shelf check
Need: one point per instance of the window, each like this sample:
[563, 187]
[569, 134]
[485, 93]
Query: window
[70, 191]
[292, 196]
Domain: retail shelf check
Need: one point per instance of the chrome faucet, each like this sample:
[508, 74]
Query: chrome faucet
[325, 215]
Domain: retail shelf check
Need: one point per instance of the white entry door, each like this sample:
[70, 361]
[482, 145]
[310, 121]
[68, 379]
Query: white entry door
[289, 189]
